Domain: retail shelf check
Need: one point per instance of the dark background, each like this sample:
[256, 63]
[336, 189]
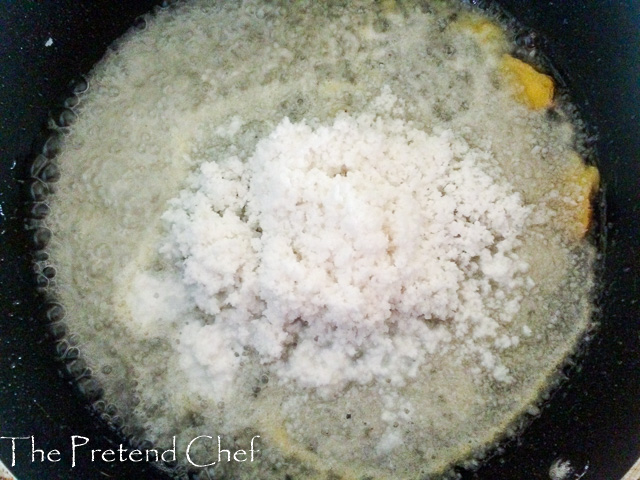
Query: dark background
[593, 420]
[34, 398]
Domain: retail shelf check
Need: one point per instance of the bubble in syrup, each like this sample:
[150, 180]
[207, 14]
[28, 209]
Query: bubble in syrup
[71, 354]
[55, 313]
[77, 368]
[58, 330]
[140, 23]
[99, 406]
[38, 190]
[39, 210]
[50, 173]
[91, 389]
[42, 282]
[117, 421]
[65, 118]
[41, 256]
[38, 165]
[49, 271]
[72, 101]
[52, 146]
[61, 348]
[41, 238]
[79, 85]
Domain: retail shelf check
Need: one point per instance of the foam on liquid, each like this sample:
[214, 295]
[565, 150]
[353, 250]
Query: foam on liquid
[165, 101]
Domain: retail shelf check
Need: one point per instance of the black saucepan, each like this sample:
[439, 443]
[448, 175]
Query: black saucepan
[592, 420]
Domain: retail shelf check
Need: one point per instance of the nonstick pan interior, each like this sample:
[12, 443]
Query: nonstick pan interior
[592, 420]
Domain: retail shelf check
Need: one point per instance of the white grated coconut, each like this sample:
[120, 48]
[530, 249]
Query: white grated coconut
[347, 253]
